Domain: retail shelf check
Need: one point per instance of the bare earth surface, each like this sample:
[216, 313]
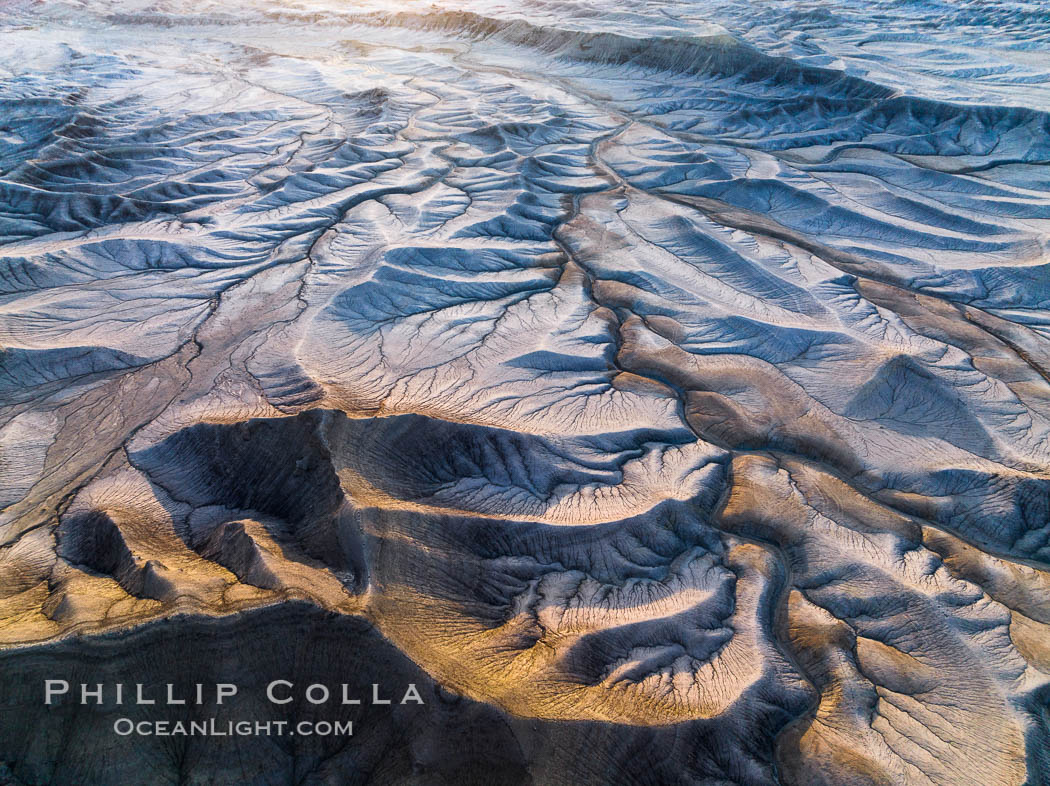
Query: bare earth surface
[663, 387]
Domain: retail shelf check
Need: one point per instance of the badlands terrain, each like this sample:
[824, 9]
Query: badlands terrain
[662, 387]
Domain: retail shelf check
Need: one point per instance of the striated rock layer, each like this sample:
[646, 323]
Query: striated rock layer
[663, 388]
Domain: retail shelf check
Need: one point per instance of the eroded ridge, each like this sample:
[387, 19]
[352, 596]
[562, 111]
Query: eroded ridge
[616, 367]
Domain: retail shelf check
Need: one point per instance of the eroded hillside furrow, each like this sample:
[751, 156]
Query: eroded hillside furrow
[664, 388]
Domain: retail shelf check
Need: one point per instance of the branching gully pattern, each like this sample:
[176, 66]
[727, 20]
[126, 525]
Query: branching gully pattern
[661, 387]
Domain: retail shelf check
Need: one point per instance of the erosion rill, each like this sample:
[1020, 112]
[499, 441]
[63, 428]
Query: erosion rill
[564, 392]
